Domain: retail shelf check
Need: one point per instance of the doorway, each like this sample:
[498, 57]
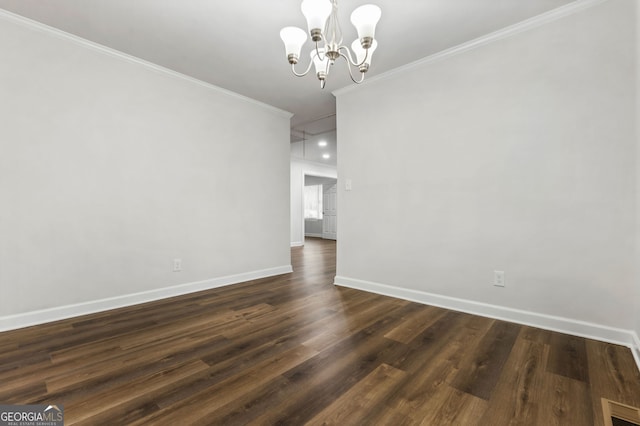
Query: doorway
[320, 207]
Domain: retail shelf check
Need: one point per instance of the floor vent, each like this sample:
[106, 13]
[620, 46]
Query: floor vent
[616, 414]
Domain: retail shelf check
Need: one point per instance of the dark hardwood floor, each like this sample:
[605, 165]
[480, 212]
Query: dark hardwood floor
[294, 349]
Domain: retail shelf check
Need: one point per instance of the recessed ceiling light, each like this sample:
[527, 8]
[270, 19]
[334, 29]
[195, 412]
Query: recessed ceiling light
[322, 143]
[326, 156]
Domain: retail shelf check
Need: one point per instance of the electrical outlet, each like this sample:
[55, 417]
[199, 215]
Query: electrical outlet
[498, 278]
[177, 265]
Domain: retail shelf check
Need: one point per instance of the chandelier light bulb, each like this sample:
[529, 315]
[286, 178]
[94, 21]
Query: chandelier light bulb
[365, 19]
[316, 12]
[361, 54]
[293, 38]
[320, 62]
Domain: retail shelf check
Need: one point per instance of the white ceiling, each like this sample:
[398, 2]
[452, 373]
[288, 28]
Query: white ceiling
[314, 148]
[236, 44]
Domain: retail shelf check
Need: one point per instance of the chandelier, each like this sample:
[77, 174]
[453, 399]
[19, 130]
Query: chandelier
[322, 20]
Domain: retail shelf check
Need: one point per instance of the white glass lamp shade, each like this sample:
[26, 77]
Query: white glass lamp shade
[362, 53]
[293, 38]
[316, 12]
[320, 63]
[365, 19]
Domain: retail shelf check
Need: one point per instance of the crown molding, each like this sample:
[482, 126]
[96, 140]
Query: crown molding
[35, 25]
[510, 31]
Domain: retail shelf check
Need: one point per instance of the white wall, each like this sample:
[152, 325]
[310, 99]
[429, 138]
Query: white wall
[637, 297]
[515, 155]
[111, 168]
[300, 168]
[313, 227]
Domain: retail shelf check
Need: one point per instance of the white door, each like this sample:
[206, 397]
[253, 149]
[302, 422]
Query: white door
[330, 213]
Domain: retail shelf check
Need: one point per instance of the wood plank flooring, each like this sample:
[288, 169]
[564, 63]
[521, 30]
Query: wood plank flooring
[294, 350]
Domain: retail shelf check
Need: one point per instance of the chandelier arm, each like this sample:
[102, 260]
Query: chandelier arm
[349, 58]
[293, 70]
[318, 54]
[350, 73]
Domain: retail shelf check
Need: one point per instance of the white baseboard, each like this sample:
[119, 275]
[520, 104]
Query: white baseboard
[297, 243]
[635, 348]
[27, 319]
[313, 235]
[549, 322]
